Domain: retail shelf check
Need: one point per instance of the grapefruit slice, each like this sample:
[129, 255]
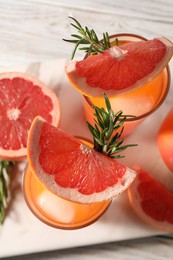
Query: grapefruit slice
[120, 69]
[71, 169]
[22, 98]
[152, 201]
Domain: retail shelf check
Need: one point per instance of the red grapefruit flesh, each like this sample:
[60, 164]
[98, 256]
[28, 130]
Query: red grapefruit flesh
[22, 98]
[152, 201]
[71, 169]
[165, 140]
[120, 69]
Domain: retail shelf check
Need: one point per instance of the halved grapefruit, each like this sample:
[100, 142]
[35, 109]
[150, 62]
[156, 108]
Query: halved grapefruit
[22, 98]
[71, 169]
[120, 68]
[152, 201]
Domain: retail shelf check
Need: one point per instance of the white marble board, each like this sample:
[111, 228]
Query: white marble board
[22, 233]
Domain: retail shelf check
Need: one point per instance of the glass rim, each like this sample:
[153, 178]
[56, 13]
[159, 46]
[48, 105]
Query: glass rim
[128, 35]
[167, 68]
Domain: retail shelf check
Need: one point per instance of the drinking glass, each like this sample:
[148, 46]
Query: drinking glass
[140, 102]
[55, 211]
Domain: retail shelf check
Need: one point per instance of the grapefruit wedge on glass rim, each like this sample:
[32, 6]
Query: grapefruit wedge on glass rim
[71, 169]
[120, 68]
[22, 98]
[151, 201]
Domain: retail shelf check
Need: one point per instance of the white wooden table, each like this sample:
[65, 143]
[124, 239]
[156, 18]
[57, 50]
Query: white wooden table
[32, 31]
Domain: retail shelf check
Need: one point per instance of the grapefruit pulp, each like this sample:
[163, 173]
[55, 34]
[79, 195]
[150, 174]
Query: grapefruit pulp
[120, 68]
[22, 98]
[71, 169]
[152, 201]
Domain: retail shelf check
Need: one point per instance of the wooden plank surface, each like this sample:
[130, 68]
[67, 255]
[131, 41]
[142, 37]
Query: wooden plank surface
[33, 30]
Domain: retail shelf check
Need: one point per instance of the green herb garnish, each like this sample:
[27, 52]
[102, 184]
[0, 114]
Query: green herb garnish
[106, 140]
[89, 39]
[4, 188]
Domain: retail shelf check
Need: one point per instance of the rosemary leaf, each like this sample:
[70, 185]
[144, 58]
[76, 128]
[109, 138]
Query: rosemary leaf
[79, 25]
[74, 51]
[89, 37]
[99, 141]
[4, 188]
[2, 213]
[107, 102]
[75, 26]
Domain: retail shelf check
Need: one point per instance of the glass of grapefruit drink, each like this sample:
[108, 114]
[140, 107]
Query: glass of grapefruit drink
[141, 101]
[68, 183]
[56, 211]
[130, 69]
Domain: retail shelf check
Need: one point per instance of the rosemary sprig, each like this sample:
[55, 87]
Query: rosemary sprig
[89, 39]
[4, 188]
[107, 139]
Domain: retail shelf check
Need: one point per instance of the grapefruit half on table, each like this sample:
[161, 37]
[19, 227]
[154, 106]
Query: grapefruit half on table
[22, 98]
[152, 201]
[71, 169]
[120, 68]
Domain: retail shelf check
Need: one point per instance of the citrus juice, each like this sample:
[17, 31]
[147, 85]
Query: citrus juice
[139, 102]
[58, 212]
[55, 211]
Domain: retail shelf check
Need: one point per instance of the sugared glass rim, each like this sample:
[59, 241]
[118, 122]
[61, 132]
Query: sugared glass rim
[167, 68]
